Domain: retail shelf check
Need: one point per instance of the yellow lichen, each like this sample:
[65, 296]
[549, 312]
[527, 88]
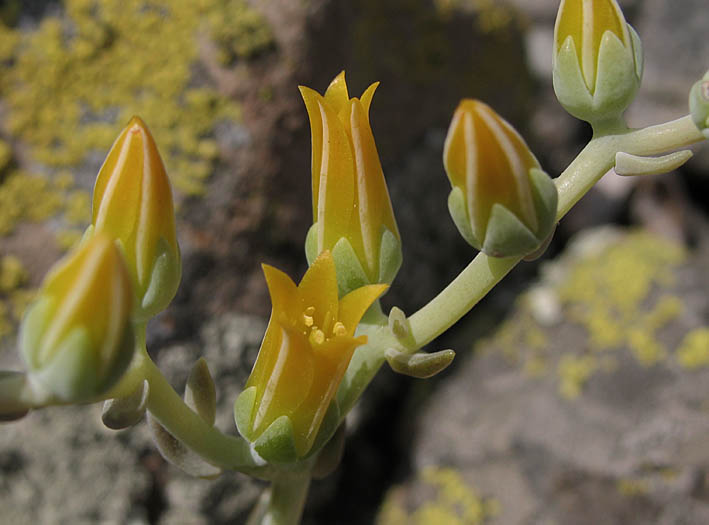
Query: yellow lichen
[26, 197]
[14, 297]
[454, 503]
[67, 239]
[618, 291]
[77, 208]
[93, 80]
[633, 487]
[693, 352]
[5, 155]
[20, 299]
[12, 273]
[6, 325]
[573, 372]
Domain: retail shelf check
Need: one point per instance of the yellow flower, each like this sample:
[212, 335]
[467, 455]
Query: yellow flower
[307, 347]
[502, 202]
[352, 212]
[77, 338]
[597, 59]
[132, 202]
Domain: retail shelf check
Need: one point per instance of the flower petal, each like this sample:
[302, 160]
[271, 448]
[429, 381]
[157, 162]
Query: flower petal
[355, 304]
[318, 289]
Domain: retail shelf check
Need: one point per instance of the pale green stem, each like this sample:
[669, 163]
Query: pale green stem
[229, 452]
[284, 500]
[225, 451]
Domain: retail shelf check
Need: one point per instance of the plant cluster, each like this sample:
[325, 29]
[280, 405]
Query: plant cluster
[83, 339]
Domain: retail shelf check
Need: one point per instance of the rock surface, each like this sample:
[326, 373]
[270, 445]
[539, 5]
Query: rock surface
[61, 465]
[556, 424]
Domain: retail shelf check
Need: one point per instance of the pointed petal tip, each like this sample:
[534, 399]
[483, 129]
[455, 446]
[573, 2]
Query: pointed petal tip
[136, 123]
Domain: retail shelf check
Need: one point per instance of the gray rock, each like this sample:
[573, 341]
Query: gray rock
[556, 424]
[60, 465]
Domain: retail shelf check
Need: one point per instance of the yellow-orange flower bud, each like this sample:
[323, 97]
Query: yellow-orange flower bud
[77, 338]
[501, 202]
[132, 203]
[308, 345]
[352, 212]
[597, 59]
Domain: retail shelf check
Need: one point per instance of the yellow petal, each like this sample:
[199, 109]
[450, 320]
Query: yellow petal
[288, 380]
[336, 94]
[373, 203]
[312, 100]
[570, 23]
[367, 97]
[336, 189]
[355, 304]
[318, 289]
[283, 291]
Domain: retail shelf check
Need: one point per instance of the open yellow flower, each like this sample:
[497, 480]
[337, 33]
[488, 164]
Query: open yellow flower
[352, 212]
[132, 203]
[307, 347]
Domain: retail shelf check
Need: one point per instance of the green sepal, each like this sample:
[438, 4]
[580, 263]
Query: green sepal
[699, 104]
[638, 53]
[70, 373]
[546, 199]
[277, 444]
[420, 365]
[506, 235]
[164, 281]
[569, 84]
[33, 326]
[390, 257]
[73, 374]
[350, 274]
[328, 427]
[618, 75]
[311, 244]
[617, 79]
[243, 408]
[459, 213]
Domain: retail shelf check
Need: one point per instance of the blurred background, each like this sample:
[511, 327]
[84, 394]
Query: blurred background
[580, 390]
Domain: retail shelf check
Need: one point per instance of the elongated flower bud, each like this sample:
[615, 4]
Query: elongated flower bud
[352, 212]
[598, 59]
[304, 355]
[501, 202]
[77, 338]
[133, 203]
